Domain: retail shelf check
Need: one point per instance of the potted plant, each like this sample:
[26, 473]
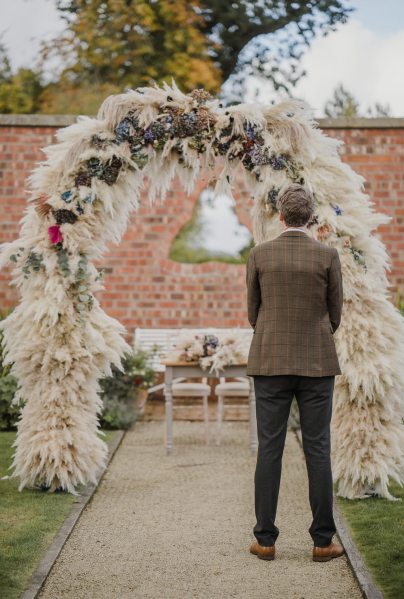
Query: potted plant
[125, 392]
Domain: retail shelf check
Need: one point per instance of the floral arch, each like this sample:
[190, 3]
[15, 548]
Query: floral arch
[59, 341]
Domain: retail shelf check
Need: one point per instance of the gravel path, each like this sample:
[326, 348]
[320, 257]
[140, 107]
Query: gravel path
[179, 527]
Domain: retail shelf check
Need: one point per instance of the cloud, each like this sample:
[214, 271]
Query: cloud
[24, 24]
[366, 62]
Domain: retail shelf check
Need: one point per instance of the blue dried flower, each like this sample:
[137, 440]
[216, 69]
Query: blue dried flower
[123, 130]
[149, 135]
[79, 208]
[67, 196]
[210, 343]
[277, 162]
[249, 130]
[338, 210]
[89, 198]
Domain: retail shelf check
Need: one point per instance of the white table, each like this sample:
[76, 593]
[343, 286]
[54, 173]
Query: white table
[174, 370]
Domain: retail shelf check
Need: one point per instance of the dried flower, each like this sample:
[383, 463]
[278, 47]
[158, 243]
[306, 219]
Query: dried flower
[111, 171]
[41, 205]
[323, 231]
[123, 130]
[67, 196]
[200, 96]
[65, 216]
[83, 178]
[273, 196]
[55, 234]
[100, 142]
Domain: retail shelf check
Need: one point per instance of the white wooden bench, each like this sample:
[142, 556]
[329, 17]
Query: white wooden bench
[166, 338]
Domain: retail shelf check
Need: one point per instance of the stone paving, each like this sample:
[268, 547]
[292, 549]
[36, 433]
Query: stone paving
[179, 526]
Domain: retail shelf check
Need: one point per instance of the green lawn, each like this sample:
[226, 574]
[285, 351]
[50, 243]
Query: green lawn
[29, 520]
[377, 527]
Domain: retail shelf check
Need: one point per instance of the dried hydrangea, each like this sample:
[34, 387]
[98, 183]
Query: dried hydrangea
[83, 179]
[64, 216]
[111, 170]
[272, 197]
[200, 96]
[107, 172]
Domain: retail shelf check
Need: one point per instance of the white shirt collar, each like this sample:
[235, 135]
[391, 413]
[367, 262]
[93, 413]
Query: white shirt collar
[295, 229]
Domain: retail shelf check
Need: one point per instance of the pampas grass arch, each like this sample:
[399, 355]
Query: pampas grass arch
[59, 342]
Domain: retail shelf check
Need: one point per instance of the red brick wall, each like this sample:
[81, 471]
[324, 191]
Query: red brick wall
[378, 155]
[146, 289]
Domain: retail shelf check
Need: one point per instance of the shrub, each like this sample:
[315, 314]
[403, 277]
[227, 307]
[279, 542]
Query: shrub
[8, 386]
[120, 391]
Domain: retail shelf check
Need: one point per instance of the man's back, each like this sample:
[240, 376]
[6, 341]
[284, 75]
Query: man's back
[294, 293]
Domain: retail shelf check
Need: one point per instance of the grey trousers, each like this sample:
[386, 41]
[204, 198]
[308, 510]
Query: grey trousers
[274, 395]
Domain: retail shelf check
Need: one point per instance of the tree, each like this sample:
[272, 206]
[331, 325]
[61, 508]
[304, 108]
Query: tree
[341, 104]
[266, 38]
[128, 43]
[378, 110]
[19, 92]
[344, 104]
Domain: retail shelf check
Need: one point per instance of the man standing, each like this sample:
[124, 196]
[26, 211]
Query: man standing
[294, 297]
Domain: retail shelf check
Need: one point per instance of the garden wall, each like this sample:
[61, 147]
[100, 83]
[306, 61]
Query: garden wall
[143, 287]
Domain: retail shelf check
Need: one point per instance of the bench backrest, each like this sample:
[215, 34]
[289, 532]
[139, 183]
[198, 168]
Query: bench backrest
[166, 338]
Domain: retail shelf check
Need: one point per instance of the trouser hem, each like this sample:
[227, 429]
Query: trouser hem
[265, 542]
[322, 544]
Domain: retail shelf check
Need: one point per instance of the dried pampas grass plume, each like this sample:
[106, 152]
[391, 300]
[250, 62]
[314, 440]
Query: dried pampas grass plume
[59, 342]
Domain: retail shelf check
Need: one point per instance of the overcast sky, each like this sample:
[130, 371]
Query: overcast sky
[366, 55]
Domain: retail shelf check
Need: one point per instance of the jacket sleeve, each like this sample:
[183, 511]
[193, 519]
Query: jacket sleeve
[335, 291]
[253, 290]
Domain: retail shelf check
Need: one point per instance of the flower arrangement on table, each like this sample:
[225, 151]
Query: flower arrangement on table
[214, 350]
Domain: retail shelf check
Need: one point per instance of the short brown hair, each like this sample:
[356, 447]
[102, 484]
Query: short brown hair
[296, 204]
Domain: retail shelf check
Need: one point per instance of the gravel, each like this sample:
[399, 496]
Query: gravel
[179, 526]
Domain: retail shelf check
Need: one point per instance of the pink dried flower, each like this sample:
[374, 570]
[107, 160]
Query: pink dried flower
[55, 234]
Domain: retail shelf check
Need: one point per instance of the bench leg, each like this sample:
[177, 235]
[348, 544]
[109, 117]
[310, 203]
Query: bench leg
[206, 418]
[169, 418]
[220, 412]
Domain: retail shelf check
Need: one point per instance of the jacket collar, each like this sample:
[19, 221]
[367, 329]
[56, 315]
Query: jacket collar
[293, 233]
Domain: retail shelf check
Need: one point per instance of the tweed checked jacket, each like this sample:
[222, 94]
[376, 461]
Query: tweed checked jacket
[294, 301]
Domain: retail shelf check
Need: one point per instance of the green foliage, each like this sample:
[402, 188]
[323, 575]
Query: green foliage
[109, 46]
[9, 413]
[8, 386]
[33, 262]
[130, 44]
[83, 298]
[119, 392]
[19, 92]
[187, 245]
[29, 520]
[400, 303]
[377, 526]
[63, 260]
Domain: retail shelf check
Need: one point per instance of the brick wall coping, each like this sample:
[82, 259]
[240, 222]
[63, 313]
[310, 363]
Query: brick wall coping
[62, 120]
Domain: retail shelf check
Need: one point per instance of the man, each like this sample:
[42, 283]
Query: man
[294, 297]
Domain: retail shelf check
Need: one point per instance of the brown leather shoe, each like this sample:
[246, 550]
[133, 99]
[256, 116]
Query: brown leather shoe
[263, 552]
[324, 554]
